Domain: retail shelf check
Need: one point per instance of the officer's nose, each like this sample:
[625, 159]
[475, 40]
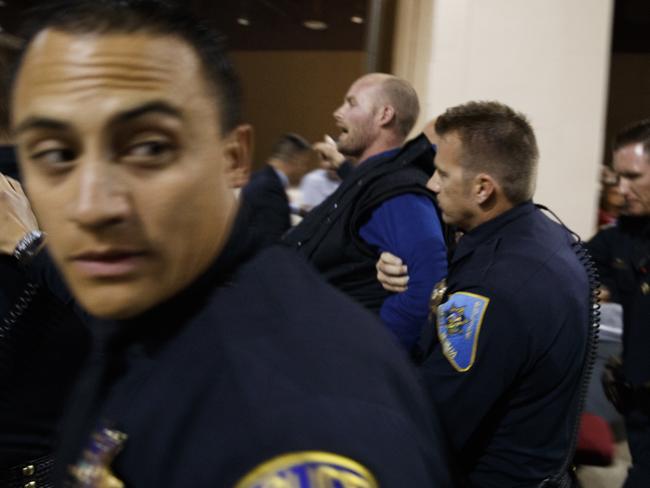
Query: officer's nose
[100, 199]
[434, 182]
[623, 186]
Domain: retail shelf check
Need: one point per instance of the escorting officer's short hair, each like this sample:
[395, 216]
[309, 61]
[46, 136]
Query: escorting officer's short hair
[495, 140]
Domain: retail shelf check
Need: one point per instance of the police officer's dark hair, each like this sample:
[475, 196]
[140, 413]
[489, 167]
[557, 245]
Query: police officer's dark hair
[156, 17]
[288, 145]
[495, 140]
[635, 133]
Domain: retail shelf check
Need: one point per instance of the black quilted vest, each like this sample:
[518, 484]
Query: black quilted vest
[328, 236]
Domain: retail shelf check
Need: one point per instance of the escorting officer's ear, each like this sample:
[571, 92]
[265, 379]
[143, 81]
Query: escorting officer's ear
[484, 187]
[238, 153]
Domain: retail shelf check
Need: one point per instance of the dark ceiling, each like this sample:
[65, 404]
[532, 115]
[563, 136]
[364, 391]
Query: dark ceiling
[277, 24]
[273, 24]
[631, 26]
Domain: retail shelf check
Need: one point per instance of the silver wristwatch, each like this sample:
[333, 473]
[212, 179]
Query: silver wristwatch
[29, 246]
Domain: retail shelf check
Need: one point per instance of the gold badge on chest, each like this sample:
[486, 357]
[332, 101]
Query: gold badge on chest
[93, 469]
[437, 297]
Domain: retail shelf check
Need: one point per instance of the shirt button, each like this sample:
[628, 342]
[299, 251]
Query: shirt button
[645, 288]
[28, 470]
[31, 484]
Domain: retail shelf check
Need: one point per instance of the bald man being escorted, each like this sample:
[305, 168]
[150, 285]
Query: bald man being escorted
[382, 204]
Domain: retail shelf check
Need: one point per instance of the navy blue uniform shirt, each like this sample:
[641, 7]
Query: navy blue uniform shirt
[259, 358]
[512, 336]
[622, 255]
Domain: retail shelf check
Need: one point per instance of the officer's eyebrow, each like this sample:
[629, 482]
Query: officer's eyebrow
[156, 106]
[31, 123]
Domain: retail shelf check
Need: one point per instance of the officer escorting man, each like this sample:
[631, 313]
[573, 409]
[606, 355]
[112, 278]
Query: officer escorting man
[204, 372]
[622, 254]
[513, 320]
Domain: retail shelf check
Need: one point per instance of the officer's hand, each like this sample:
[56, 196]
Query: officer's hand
[392, 273]
[604, 295]
[330, 157]
[614, 385]
[16, 216]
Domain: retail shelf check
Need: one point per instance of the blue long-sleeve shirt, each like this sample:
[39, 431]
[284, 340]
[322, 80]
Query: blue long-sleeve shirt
[408, 226]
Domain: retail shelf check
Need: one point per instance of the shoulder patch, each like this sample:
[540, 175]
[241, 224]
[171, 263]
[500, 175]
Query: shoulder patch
[459, 323]
[309, 469]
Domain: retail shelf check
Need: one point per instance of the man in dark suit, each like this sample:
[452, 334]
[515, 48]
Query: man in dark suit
[265, 197]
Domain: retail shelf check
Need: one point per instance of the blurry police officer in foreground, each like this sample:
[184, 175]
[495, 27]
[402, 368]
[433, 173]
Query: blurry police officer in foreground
[513, 323]
[205, 372]
[622, 254]
[43, 342]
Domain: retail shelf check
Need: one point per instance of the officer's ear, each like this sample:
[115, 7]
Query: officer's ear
[238, 155]
[485, 188]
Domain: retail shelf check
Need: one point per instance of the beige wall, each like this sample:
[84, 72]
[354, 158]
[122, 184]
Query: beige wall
[546, 58]
[294, 91]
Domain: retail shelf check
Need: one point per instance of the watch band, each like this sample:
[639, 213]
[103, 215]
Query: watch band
[29, 246]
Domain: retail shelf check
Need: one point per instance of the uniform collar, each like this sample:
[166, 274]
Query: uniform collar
[482, 233]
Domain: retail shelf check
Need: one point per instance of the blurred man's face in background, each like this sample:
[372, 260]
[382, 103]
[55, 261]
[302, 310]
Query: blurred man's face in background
[300, 164]
[125, 164]
[632, 166]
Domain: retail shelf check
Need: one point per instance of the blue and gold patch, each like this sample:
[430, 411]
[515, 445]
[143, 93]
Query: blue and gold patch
[459, 323]
[309, 469]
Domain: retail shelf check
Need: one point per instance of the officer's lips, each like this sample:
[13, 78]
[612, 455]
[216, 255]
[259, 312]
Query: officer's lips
[108, 263]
